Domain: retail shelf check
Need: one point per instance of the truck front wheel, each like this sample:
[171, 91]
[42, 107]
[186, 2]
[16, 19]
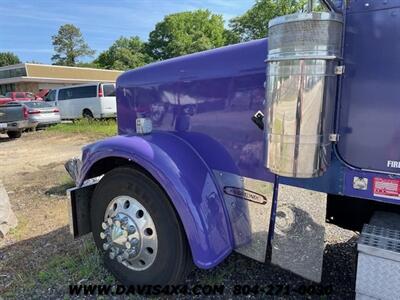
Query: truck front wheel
[137, 230]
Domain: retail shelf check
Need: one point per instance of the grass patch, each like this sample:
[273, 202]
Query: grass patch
[21, 229]
[86, 265]
[66, 182]
[85, 126]
[83, 267]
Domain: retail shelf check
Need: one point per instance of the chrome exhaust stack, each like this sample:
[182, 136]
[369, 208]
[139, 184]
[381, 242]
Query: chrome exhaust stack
[304, 51]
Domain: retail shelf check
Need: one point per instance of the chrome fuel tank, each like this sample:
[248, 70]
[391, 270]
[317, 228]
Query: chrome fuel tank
[304, 50]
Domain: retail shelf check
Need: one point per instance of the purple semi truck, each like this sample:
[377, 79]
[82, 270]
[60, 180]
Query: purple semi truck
[215, 149]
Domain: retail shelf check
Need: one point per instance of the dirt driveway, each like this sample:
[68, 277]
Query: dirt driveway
[39, 259]
[35, 151]
[34, 176]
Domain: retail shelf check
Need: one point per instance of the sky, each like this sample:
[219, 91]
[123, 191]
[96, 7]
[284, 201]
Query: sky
[26, 26]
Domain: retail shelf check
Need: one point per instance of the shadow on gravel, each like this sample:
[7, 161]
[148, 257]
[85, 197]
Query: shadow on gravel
[339, 268]
[338, 277]
[32, 253]
[61, 189]
[5, 139]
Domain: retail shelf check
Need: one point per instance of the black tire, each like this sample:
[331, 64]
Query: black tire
[173, 259]
[87, 114]
[14, 134]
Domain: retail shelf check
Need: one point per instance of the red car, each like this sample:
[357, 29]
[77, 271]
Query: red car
[23, 96]
[4, 99]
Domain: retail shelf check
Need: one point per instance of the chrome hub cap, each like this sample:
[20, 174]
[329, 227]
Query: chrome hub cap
[129, 233]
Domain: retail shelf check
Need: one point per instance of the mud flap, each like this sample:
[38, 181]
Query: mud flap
[248, 202]
[298, 241]
[79, 210]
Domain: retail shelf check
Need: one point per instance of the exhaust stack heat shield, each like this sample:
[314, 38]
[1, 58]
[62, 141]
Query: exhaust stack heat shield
[304, 50]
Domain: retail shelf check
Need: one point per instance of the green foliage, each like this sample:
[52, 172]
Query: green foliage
[253, 24]
[97, 128]
[186, 32]
[124, 54]
[8, 58]
[69, 45]
[88, 65]
[231, 37]
[86, 265]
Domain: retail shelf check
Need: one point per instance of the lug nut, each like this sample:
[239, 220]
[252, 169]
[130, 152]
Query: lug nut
[128, 245]
[132, 229]
[112, 255]
[102, 235]
[106, 246]
[109, 221]
[120, 259]
[104, 225]
[129, 253]
[134, 241]
[125, 255]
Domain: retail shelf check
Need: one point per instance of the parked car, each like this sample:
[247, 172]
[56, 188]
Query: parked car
[94, 100]
[14, 119]
[23, 96]
[4, 99]
[41, 114]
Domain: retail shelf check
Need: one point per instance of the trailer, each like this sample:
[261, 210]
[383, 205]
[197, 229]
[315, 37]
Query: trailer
[215, 148]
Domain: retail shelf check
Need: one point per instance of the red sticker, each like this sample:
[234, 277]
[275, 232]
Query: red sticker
[387, 188]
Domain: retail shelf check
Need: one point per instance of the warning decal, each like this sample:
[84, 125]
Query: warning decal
[387, 188]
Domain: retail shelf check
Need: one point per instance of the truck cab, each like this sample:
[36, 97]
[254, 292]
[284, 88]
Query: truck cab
[214, 149]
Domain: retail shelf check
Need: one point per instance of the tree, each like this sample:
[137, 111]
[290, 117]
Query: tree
[186, 32]
[231, 37]
[125, 53]
[88, 65]
[8, 58]
[253, 24]
[69, 45]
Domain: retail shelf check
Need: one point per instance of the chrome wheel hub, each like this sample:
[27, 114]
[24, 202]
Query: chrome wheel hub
[129, 233]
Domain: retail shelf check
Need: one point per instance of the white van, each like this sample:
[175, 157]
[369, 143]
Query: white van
[93, 100]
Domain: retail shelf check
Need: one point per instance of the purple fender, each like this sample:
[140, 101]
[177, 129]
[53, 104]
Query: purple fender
[186, 179]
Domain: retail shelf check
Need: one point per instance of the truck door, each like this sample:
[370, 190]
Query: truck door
[369, 122]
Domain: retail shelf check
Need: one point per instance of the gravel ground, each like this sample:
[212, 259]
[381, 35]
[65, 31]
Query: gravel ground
[338, 270]
[39, 259]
